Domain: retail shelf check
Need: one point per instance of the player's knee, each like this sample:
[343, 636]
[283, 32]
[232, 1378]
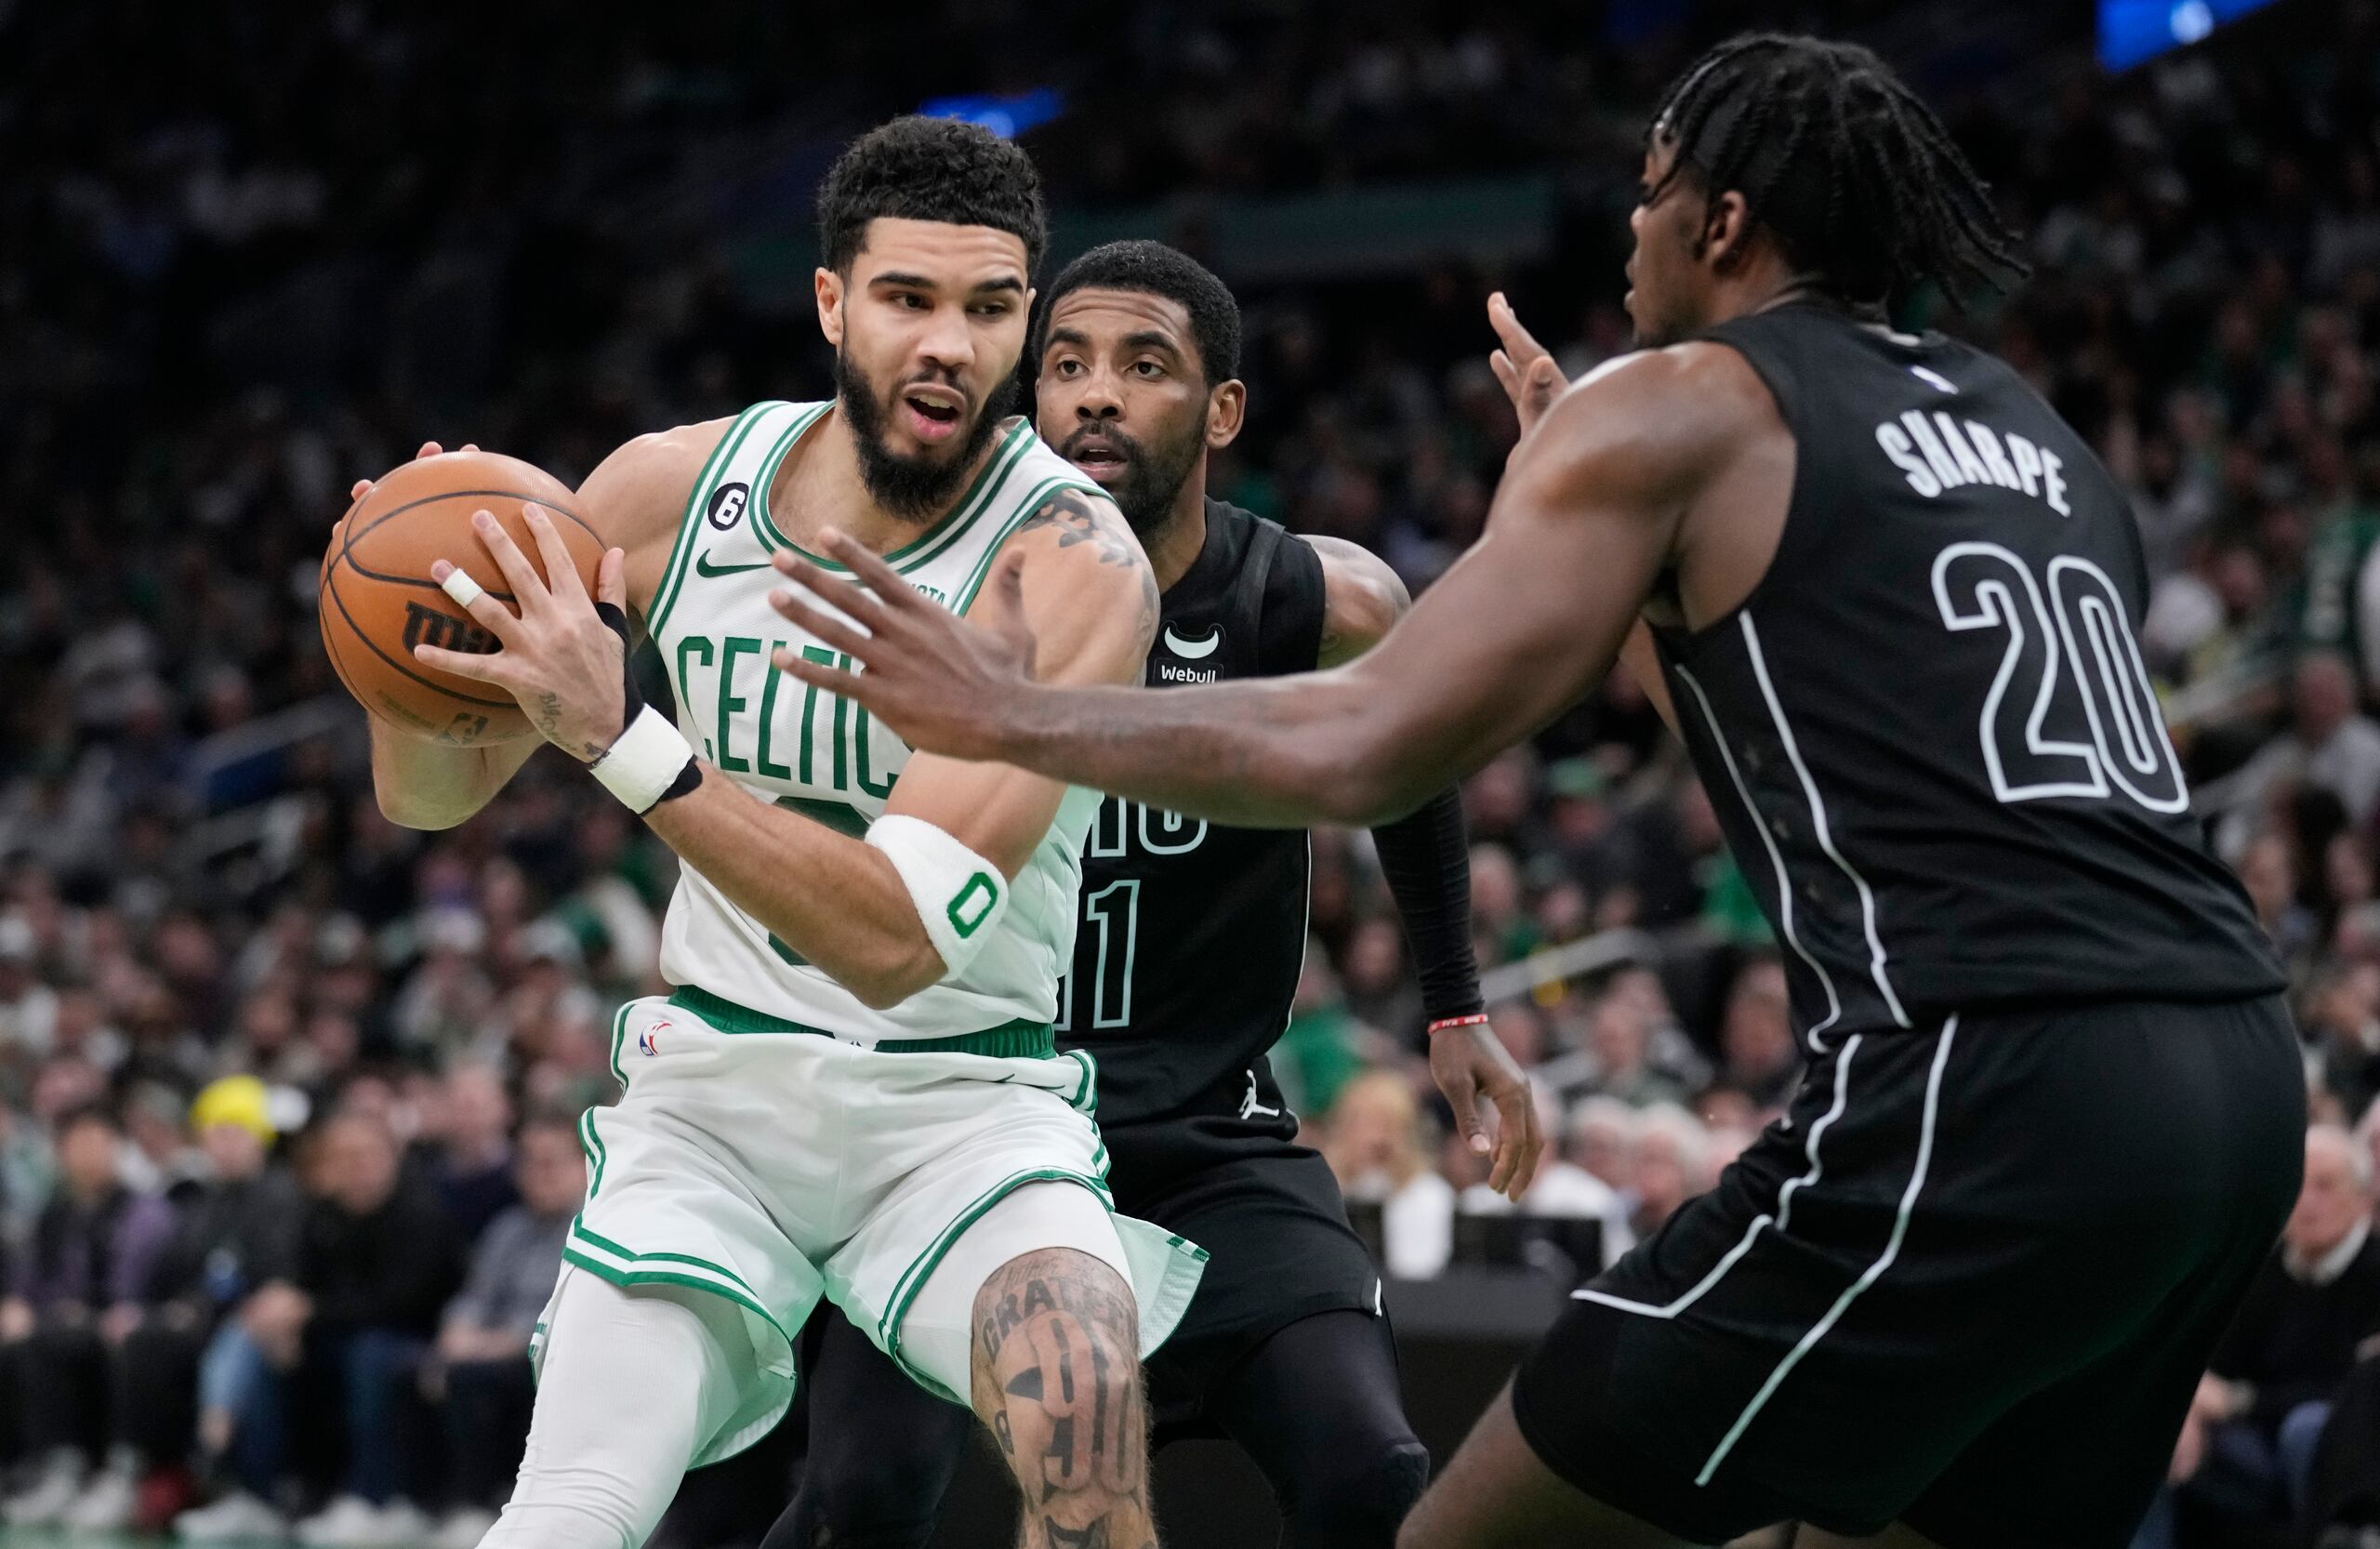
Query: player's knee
[1057, 1372]
[1355, 1497]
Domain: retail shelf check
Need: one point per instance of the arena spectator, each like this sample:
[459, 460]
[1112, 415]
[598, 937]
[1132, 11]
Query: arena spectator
[1616, 1057]
[1373, 1141]
[28, 1006]
[1668, 1164]
[471, 1148]
[482, 1351]
[2247, 1449]
[237, 1230]
[2339, 1013]
[2331, 745]
[81, 1289]
[1600, 1138]
[1758, 1053]
[376, 1259]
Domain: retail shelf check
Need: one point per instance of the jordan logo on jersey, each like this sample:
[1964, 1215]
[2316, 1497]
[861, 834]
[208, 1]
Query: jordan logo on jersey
[1253, 1106]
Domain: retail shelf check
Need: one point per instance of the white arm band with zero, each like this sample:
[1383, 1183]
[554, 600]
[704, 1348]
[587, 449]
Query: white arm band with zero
[960, 895]
[646, 759]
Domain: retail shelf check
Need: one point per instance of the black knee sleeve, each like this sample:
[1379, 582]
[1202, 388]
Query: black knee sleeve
[863, 1518]
[1355, 1499]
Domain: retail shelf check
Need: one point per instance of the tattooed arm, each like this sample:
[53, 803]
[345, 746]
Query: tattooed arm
[1057, 1378]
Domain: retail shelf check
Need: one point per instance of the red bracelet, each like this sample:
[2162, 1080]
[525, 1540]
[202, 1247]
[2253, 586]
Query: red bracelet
[1473, 1020]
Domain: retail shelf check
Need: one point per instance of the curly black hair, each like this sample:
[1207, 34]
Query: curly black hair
[1154, 269]
[930, 169]
[1854, 175]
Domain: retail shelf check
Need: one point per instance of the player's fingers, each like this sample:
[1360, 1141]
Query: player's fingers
[1507, 376]
[492, 667]
[1519, 341]
[561, 573]
[897, 594]
[430, 449]
[469, 595]
[831, 631]
[1522, 1137]
[825, 675]
[836, 591]
[612, 578]
[1462, 1097]
[528, 590]
[358, 490]
[1504, 1175]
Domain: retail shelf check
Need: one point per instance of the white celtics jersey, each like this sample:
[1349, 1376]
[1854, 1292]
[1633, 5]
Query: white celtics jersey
[820, 755]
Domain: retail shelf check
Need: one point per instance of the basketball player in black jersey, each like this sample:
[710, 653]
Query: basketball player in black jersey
[1186, 959]
[1962, 1294]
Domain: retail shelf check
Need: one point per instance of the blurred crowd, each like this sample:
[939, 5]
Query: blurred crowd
[288, 1094]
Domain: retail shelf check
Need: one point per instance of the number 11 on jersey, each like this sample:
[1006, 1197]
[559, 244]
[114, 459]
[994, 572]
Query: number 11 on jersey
[1115, 912]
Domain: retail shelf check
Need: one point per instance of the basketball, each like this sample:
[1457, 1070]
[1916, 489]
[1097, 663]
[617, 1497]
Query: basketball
[378, 601]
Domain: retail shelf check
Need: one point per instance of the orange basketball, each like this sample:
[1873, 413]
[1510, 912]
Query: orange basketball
[378, 602]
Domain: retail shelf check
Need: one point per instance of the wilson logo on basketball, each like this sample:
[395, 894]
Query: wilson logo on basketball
[429, 627]
[727, 504]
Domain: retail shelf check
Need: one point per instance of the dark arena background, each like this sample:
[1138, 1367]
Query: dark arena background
[254, 250]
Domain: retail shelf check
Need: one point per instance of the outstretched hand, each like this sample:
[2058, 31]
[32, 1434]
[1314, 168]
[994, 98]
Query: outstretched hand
[1469, 1064]
[1531, 376]
[944, 683]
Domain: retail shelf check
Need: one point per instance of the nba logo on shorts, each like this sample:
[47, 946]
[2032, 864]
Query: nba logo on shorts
[645, 1040]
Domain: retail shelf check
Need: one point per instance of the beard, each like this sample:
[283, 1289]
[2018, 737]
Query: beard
[1143, 490]
[913, 487]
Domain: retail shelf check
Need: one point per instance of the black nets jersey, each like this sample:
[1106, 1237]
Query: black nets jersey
[1928, 733]
[1191, 934]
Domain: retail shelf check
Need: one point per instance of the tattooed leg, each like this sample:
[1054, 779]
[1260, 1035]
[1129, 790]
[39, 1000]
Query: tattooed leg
[1056, 1375]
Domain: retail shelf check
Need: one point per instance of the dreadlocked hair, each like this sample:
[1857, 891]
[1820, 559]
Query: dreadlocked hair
[1860, 184]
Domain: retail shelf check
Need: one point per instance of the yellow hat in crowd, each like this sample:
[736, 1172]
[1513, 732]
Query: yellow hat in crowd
[233, 1100]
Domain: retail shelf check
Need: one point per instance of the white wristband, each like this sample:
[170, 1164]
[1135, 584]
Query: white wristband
[642, 764]
[960, 895]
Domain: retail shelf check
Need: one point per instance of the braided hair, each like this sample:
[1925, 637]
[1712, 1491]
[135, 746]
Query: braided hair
[1860, 184]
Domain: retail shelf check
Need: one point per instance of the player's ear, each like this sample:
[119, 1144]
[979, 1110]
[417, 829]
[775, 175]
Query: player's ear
[1727, 229]
[1226, 412]
[828, 286]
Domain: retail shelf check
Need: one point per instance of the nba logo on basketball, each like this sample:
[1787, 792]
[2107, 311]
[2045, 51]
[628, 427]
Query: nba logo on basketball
[645, 1040]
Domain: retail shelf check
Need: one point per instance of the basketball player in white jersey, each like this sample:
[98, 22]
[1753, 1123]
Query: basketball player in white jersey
[854, 1092]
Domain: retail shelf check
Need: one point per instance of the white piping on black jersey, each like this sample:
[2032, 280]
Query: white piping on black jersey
[1784, 878]
[1817, 818]
[1874, 1271]
[1781, 1219]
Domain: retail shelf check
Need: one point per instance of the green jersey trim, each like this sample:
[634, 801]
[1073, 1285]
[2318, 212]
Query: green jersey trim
[1024, 512]
[765, 479]
[673, 576]
[929, 545]
[619, 1031]
[592, 1253]
[592, 1143]
[1022, 1039]
[913, 1280]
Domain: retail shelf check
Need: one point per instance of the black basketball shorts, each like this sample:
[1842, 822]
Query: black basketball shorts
[1279, 1249]
[1968, 1284]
